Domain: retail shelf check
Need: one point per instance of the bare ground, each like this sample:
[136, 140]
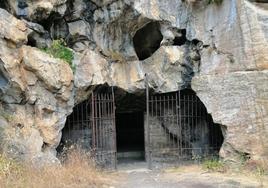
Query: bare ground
[136, 175]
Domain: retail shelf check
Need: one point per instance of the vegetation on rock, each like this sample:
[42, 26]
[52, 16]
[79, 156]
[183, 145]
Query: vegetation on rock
[59, 50]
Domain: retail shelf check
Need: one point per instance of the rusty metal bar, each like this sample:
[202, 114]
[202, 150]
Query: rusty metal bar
[93, 123]
[147, 124]
[114, 131]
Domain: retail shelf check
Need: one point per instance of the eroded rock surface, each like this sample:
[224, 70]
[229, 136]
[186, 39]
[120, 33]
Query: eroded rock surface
[36, 96]
[232, 81]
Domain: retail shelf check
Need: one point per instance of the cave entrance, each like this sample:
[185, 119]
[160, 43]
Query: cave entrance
[179, 129]
[130, 113]
[130, 136]
[116, 126]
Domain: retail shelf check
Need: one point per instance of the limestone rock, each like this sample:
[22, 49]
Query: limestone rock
[91, 70]
[53, 72]
[164, 68]
[36, 10]
[239, 101]
[79, 28]
[36, 96]
[232, 82]
[38, 36]
[165, 71]
[12, 29]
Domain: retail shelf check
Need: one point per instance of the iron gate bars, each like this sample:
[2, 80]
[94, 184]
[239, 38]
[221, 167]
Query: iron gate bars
[178, 128]
[162, 128]
[77, 129]
[103, 129]
[91, 126]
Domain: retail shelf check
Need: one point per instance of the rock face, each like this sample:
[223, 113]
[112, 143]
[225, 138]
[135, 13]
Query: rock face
[36, 95]
[220, 50]
[232, 81]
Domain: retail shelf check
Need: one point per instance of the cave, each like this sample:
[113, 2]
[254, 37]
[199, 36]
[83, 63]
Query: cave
[180, 40]
[130, 136]
[147, 40]
[3, 4]
[163, 128]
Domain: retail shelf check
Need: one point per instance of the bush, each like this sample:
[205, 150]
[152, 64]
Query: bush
[59, 50]
[213, 165]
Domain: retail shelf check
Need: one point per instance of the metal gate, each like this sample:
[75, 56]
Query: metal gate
[91, 126]
[162, 128]
[178, 128]
[103, 128]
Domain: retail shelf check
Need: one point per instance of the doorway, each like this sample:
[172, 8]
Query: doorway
[130, 136]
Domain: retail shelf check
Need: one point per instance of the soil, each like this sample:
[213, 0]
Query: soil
[137, 175]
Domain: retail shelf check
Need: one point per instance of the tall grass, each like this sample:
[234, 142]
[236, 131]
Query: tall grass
[78, 170]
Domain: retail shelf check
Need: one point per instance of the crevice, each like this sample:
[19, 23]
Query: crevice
[88, 13]
[31, 41]
[180, 40]
[45, 146]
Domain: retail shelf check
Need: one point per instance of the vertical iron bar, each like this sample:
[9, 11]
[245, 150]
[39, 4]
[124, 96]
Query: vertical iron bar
[114, 130]
[147, 123]
[93, 125]
[188, 120]
[177, 122]
[180, 126]
[184, 125]
[172, 121]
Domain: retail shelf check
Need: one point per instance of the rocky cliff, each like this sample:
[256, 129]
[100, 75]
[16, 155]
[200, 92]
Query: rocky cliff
[219, 48]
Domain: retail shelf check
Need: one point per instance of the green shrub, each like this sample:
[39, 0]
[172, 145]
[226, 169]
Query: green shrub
[59, 50]
[213, 165]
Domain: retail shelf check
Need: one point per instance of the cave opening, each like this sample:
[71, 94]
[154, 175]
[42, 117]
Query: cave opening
[176, 127]
[130, 112]
[4, 4]
[147, 40]
[181, 39]
[130, 136]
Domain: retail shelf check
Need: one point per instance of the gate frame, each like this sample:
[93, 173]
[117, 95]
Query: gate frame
[98, 102]
[148, 128]
[195, 120]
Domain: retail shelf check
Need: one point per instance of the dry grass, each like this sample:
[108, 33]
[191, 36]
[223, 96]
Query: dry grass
[252, 173]
[76, 171]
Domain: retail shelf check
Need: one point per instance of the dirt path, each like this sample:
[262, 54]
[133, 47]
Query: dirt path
[137, 176]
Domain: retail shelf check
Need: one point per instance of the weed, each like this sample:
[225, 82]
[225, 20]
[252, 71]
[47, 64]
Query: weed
[77, 170]
[59, 50]
[213, 164]
[9, 166]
